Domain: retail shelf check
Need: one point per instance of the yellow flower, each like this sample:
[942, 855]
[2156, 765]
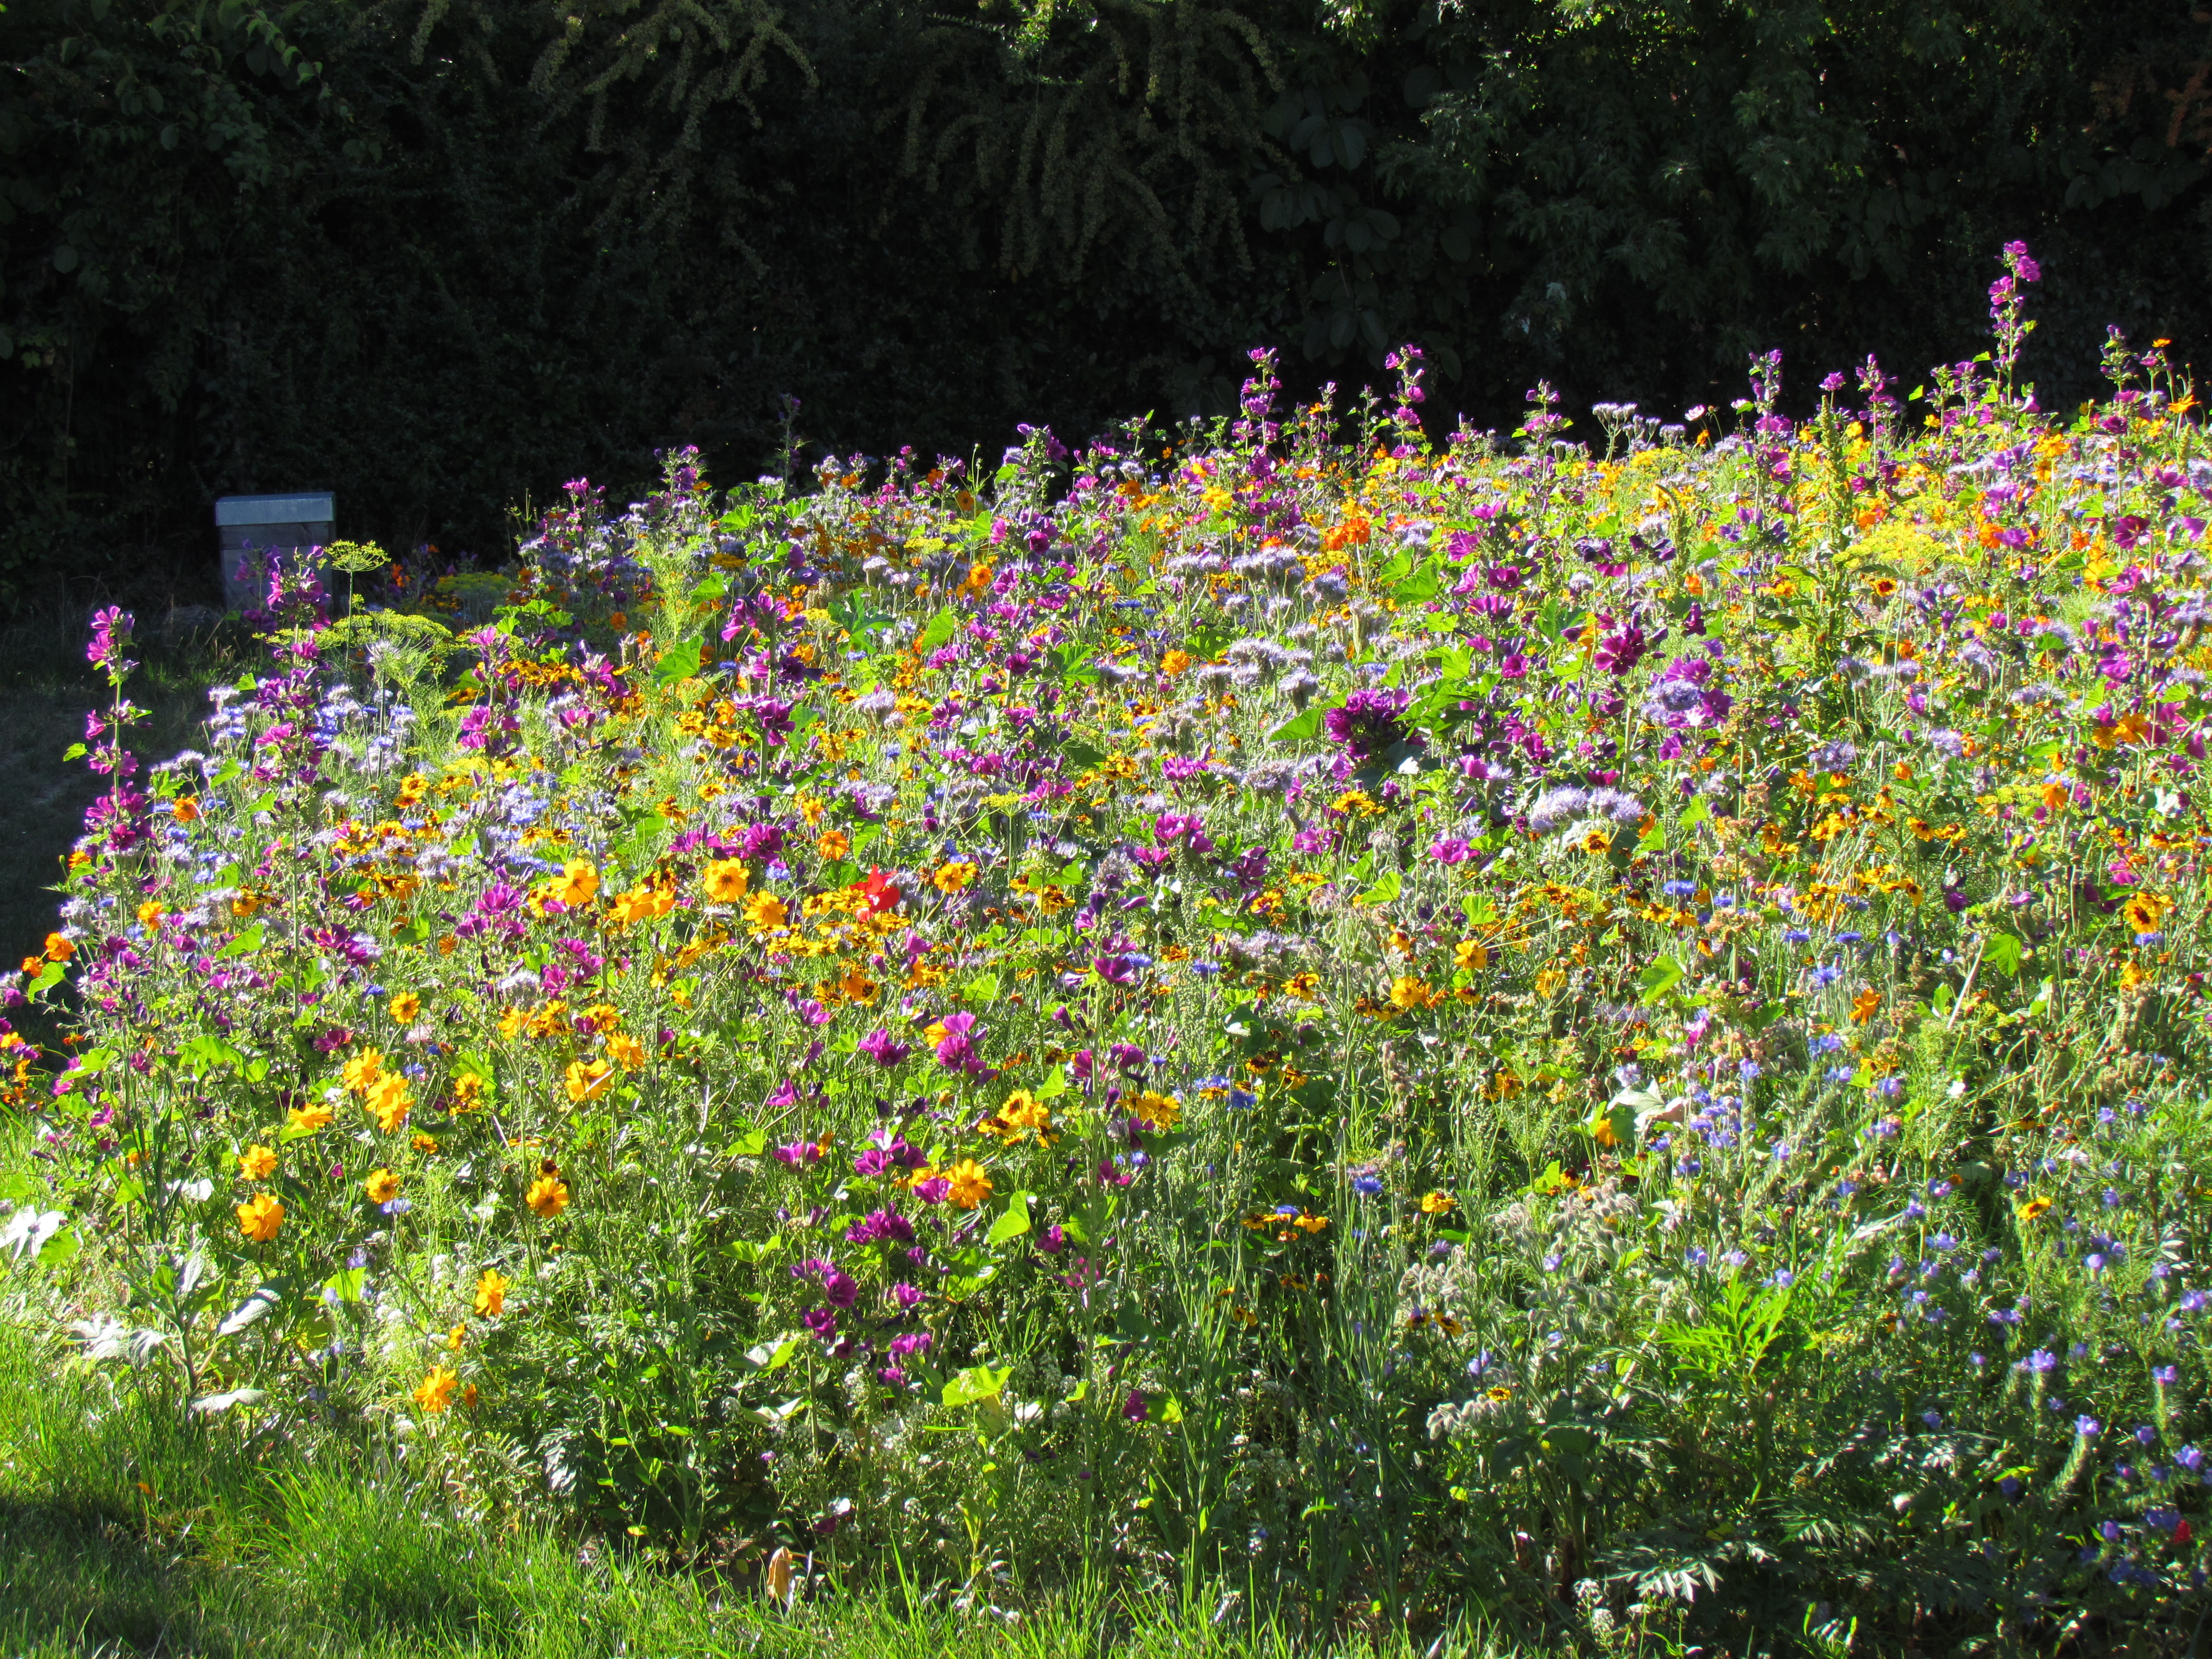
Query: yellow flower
[1549, 981]
[405, 1007]
[948, 878]
[1438, 1203]
[1471, 954]
[455, 1337]
[1161, 1111]
[642, 903]
[628, 1052]
[578, 883]
[491, 1293]
[1308, 1224]
[426, 1144]
[834, 844]
[587, 1079]
[382, 1186]
[185, 809]
[1301, 988]
[1407, 992]
[362, 1071]
[435, 1391]
[2146, 911]
[764, 913]
[308, 1119]
[2033, 1207]
[726, 881]
[258, 1163]
[1175, 662]
[970, 1186]
[389, 1099]
[259, 1217]
[468, 1092]
[150, 914]
[549, 1194]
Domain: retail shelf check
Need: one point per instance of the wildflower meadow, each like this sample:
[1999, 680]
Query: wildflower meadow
[1595, 1038]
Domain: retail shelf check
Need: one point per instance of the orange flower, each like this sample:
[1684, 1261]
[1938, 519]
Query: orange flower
[970, 1184]
[59, 949]
[491, 1293]
[259, 1217]
[726, 881]
[256, 1163]
[382, 1186]
[435, 1392]
[834, 844]
[390, 1098]
[185, 809]
[1438, 1203]
[577, 883]
[1865, 1005]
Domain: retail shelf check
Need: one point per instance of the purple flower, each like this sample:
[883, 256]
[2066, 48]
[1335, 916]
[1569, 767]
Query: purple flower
[1620, 651]
[1135, 1407]
[880, 1046]
[1367, 725]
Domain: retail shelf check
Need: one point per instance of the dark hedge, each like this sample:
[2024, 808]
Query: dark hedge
[439, 255]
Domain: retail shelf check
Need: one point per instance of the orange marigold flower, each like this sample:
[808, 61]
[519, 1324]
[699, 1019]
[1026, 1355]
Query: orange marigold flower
[834, 844]
[59, 949]
[1865, 1005]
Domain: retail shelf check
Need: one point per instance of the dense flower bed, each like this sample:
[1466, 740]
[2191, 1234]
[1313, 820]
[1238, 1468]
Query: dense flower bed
[1608, 1035]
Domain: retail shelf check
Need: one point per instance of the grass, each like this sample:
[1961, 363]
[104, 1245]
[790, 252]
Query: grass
[122, 1534]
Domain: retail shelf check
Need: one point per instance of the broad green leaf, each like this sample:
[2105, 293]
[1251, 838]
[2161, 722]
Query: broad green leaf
[1014, 1224]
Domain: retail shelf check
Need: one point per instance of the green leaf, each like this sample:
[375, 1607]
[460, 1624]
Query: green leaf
[1300, 728]
[983, 988]
[940, 629]
[1661, 977]
[1391, 884]
[1014, 1224]
[2003, 952]
[1694, 814]
[679, 662]
[974, 1383]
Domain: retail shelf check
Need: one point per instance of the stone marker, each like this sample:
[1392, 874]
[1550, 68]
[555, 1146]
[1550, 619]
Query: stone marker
[255, 528]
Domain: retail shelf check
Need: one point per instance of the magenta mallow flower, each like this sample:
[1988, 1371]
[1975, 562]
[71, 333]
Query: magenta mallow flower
[956, 1049]
[880, 1226]
[1620, 650]
[886, 1050]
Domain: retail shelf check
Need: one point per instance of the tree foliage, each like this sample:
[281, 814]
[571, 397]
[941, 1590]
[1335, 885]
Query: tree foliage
[438, 254]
